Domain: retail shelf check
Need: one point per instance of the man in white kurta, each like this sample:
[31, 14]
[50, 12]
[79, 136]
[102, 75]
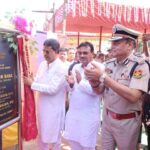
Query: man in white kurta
[83, 117]
[50, 84]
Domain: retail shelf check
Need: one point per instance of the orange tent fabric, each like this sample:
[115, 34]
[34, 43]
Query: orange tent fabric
[91, 15]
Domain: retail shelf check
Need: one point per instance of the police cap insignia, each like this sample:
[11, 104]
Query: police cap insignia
[121, 32]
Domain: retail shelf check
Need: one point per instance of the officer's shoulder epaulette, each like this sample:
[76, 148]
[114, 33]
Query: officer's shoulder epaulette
[112, 60]
[138, 59]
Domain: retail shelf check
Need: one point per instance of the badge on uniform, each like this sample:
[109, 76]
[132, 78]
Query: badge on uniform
[137, 74]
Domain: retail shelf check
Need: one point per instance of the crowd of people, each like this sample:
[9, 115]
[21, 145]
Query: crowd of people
[70, 90]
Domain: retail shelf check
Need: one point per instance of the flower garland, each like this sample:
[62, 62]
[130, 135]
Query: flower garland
[22, 25]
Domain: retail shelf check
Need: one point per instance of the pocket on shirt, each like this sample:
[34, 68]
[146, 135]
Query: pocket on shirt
[123, 81]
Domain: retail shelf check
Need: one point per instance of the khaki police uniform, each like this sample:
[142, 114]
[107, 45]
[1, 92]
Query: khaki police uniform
[121, 118]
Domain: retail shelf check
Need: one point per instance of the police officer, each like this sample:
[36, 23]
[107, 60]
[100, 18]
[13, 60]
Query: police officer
[122, 94]
[146, 104]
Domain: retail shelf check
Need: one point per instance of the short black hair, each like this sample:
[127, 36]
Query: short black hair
[53, 43]
[87, 44]
[62, 49]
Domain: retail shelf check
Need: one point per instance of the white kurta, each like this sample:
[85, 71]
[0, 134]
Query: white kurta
[50, 84]
[83, 118]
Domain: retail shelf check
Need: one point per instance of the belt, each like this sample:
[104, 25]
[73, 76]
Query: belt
[123, 116]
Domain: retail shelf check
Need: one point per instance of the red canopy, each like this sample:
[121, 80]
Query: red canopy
[93, 15]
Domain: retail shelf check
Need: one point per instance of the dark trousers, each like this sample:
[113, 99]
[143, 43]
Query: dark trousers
[147, 129]
[140, 135]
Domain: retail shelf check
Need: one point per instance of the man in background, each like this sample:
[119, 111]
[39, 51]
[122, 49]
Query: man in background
[71, 55]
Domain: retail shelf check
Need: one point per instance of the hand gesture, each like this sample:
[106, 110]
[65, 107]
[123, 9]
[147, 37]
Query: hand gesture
[28, 80]
[78, 76]
[94, 73]
[145, 37]
[70, 79]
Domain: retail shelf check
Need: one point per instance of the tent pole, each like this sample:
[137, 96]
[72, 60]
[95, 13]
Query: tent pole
[145, 47]
[64, 17]
[78, 40]
[100, 37]
[53, 25]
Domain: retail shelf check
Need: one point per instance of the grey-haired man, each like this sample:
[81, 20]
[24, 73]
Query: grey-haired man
[122, 93]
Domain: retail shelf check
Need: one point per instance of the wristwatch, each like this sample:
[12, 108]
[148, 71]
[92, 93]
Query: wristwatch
[102, 78]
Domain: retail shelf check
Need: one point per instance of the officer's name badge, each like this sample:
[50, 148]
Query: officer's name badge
[137, 74]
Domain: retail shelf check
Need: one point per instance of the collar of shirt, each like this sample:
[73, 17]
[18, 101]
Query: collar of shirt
[125, 61]
[52, 63]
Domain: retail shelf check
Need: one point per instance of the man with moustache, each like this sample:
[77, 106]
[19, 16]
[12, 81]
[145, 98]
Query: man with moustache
[83, 117]
[122, 94]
